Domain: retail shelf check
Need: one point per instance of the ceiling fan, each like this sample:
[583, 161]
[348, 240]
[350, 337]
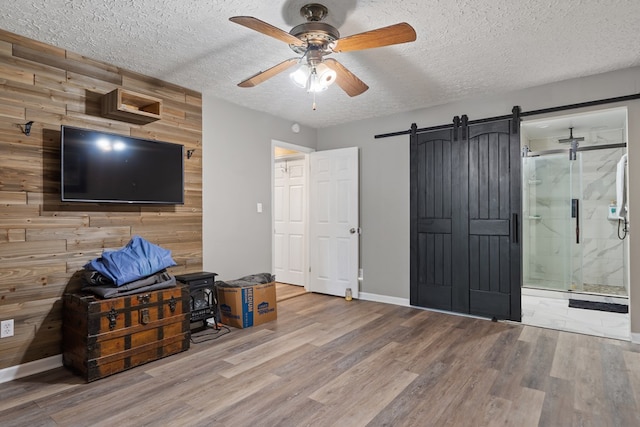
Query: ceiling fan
[314, 40]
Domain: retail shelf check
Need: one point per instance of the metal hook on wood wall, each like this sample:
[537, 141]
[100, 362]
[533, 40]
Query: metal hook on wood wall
[26, 128]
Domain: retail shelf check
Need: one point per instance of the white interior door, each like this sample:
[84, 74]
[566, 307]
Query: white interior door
[289, 219]
[333, 222]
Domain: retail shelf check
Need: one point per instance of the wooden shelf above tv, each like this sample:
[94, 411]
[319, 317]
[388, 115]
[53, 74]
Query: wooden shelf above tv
[125, 105]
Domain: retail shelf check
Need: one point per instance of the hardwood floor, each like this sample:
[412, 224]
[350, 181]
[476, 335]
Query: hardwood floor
[285, 291]
[326, 362]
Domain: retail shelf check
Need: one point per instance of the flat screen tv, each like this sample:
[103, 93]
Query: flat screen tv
[109, 168]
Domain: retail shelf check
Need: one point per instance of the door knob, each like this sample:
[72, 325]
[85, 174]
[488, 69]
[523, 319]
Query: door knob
[354, 230]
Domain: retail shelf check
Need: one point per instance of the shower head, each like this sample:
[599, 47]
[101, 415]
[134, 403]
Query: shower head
[571, 138]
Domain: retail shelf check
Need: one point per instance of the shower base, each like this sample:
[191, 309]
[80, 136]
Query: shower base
[587, 288]
[605, 289]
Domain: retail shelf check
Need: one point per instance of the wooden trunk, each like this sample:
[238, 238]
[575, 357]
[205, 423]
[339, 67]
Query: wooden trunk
[105, 336]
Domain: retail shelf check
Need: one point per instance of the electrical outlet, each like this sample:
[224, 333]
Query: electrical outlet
[6, 328]
[360, 274]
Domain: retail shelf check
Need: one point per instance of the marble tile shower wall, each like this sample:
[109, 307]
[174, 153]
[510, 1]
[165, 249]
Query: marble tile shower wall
[550, 254]
[603, 252]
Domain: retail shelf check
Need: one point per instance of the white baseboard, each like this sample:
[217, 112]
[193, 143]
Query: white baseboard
[30, 368]
[635, 337]
[365, 296]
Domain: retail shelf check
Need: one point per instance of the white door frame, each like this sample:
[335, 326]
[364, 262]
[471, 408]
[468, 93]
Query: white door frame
[305, 152]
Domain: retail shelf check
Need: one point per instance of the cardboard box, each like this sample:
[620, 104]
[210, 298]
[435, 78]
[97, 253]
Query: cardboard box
[247, 306]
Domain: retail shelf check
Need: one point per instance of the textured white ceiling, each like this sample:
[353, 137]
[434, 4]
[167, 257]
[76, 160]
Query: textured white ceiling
[464, 47]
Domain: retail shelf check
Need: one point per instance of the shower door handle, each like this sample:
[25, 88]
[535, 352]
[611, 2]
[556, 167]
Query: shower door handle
[514, 228]
[575, 213]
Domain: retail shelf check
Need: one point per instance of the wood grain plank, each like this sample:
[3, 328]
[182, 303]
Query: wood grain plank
[617, 387]
[589, 383]
[19, 249]
[564, 363]
[16, 235]
[84, 67]
[15, 74]
[155, 87]
[44, 390]
[194, 99]
[557, 408]
[328, 382]
[376, 373]
[537, 371]
[632, 363]
[45, 241]
[309, 362]
[11, 276]
[28, 211]
[363, 409]
[488, 409]
[38, 70]
[32, 44]
[13, 198]
[526, 408]
[265, 352]
[44, 222]
[12, 111]
[74, 235]
[32, 98]
[24, 293]
[6, 48]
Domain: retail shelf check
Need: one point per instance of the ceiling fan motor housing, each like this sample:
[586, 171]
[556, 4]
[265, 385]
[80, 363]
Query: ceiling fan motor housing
[318, 34]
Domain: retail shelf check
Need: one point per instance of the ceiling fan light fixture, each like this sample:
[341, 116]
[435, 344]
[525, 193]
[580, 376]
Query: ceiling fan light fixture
[325, 77]
[300, 77]
[316, 78]
[315, 39]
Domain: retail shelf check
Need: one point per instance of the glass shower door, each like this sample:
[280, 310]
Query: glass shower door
[552, 254]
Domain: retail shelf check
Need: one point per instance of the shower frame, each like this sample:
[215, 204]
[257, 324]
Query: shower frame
[572, 280]
[579, 149]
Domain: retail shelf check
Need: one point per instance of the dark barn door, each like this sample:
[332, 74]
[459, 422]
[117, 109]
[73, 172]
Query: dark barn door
[432, 172]
[494, 207]
[465, 206]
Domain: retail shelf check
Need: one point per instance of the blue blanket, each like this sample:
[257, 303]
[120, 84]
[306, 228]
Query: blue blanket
[139, 258]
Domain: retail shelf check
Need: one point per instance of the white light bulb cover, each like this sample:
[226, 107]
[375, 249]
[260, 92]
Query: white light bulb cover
[325, 75]
[300, 76]
[313, 79]
[321, 78]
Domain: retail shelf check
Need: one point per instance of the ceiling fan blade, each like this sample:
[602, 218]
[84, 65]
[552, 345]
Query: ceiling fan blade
[347, 81]
[268, 29]
[261, 76]
[393, 34]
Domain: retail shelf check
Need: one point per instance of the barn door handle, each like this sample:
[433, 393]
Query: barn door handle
[514, 228]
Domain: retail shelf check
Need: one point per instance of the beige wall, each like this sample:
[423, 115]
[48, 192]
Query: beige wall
[237, 176]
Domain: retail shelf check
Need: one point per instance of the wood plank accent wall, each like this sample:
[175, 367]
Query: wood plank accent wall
[43, 241]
